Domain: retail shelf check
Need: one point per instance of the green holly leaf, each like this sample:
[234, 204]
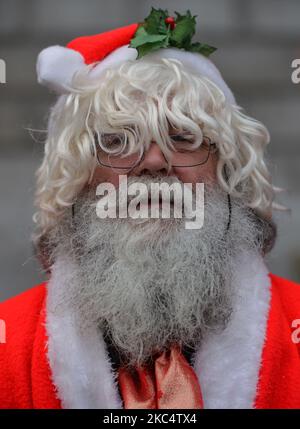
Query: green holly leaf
[149, 47]
[142, 37]
[202, 48]
[184, 30]
[154, 34]
[180, 17]
[155, 21]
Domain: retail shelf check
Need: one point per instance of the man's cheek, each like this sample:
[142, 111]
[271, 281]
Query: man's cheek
[206, 173]
[105, 175]
[186, 175]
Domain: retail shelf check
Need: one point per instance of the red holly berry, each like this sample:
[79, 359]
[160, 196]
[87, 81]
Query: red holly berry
[170, 21]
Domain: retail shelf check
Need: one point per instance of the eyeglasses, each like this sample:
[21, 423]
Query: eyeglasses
[183, 155]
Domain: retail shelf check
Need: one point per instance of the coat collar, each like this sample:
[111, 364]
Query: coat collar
[227, 363]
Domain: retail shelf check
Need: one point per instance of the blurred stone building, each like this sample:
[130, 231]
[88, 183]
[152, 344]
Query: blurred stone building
[256, 40]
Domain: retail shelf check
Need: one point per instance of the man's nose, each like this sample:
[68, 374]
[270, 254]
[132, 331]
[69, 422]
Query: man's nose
[154, 162]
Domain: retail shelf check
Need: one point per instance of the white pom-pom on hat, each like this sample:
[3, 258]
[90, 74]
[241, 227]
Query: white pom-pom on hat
[56, 67]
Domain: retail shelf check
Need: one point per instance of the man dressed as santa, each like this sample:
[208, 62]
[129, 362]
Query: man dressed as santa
[143, 312]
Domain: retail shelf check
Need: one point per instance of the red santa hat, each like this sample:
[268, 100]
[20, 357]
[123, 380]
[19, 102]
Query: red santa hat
[57, 65]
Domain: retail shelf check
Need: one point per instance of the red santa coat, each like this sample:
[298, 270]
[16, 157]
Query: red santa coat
[254, 363]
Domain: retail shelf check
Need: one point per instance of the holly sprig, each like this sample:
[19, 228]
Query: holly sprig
[160, 30]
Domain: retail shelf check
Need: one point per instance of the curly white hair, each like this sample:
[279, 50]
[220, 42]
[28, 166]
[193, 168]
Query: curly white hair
[141, 99]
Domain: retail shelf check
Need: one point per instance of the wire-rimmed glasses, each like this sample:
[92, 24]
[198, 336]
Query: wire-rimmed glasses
[184, 154]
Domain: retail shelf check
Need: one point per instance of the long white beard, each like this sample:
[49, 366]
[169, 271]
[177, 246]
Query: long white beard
[152, 283]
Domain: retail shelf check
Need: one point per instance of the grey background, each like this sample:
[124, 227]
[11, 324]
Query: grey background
[257, 41]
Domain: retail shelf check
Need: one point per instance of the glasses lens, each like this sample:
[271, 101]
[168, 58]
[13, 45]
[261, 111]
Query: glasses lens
[111, 153]
[185, 153]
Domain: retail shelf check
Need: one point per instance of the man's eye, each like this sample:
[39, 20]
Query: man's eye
[112, 141]
[182, 142]
[183, 138]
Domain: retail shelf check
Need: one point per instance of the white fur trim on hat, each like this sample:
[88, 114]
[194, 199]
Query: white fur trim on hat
[56, 66]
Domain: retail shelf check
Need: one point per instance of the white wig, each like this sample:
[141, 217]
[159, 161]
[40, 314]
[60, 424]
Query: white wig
[142, 99]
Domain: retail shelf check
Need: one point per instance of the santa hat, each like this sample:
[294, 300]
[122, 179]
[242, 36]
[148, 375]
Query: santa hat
[57, 65]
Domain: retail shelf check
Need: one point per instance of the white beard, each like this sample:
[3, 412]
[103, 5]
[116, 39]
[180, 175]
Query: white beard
[152, 283]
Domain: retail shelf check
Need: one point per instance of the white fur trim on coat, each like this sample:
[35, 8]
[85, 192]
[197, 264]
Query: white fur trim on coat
[227, 363]
[81, 369]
